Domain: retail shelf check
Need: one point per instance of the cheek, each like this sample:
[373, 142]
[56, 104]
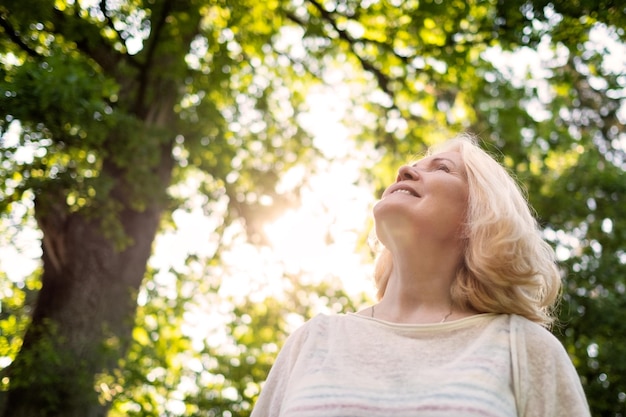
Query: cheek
[462, 213]
[460, 201]
[455, 207]
[461, 209]
[459, 197]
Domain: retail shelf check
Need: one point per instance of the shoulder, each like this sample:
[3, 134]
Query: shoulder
[315, 324]
[325, 321]
[538, 353]
[535, 338]
[544, 378]
[315, 327]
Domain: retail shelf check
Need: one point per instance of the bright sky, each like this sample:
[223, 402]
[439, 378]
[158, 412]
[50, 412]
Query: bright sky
[334, 200]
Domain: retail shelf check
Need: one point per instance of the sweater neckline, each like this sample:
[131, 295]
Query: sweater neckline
[453, 324]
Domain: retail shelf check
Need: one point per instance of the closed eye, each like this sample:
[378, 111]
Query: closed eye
[438, 164]
[443, 167]
[443, 164]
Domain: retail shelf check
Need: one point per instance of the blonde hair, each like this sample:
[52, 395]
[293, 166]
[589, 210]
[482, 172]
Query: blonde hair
[507, 266]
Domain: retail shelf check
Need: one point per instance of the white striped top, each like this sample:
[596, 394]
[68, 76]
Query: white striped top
[485, 365]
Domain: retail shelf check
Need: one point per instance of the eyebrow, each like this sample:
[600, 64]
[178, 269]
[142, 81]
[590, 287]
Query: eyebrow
[461, 170]
[437, 159]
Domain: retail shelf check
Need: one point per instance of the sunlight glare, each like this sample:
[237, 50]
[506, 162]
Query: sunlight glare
[321, 237]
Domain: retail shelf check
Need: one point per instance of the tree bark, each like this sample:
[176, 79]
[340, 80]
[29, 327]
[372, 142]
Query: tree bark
[84, 315]
[83, 320]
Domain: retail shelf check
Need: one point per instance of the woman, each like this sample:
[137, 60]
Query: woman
[466, 287]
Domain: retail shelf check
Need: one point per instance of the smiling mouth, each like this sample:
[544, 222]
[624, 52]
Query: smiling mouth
[405, 191]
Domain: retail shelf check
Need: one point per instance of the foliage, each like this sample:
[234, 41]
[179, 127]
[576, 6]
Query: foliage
[570, 152]
[115, 101]
[195, 368]
[14, 316]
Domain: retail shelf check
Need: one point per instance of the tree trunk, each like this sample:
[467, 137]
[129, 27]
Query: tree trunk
[83, 320]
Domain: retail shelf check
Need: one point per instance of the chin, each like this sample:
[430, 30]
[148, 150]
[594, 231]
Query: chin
[390, 206]
[379, 209]
[394, 219]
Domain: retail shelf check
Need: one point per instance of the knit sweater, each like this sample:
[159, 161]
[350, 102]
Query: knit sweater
[485, 365]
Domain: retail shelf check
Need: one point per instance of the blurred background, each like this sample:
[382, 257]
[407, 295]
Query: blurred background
[183, 183]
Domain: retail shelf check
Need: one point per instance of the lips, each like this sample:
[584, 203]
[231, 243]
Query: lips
[403, 189]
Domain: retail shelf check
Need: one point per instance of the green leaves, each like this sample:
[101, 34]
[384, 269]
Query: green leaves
[108, 104]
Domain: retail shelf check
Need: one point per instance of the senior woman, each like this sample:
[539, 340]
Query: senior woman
[466, 287]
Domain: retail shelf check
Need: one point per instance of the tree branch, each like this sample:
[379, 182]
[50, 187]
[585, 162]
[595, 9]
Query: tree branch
[16, 39]
[153, 41]
[74, 29]
[109, 21]
[88, 40]
[381, 78]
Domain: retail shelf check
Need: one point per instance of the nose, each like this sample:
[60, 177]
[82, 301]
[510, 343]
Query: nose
[407, 172]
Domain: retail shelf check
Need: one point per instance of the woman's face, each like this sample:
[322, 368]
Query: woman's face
[429, 199]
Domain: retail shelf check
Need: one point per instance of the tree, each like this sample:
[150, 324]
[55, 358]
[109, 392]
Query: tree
[119, 100]
[570, 153]
[109, 125]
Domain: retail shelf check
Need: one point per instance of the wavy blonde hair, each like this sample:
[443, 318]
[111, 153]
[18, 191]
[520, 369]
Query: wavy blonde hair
[507, 266]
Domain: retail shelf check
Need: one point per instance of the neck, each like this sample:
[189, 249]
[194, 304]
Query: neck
[418, 290]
